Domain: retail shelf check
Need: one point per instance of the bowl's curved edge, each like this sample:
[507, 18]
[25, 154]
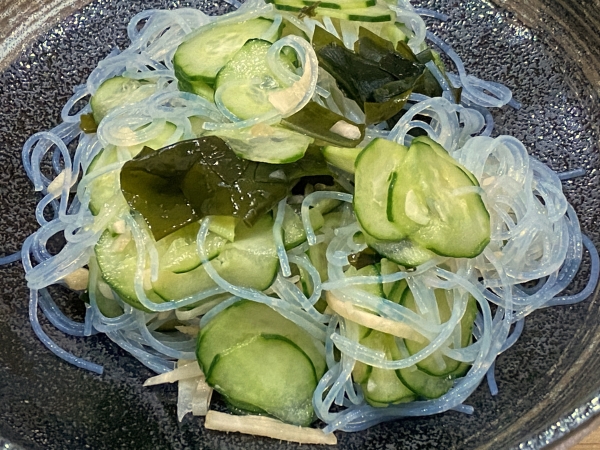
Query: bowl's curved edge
[33, 17]
[21, 21]
[573, 27]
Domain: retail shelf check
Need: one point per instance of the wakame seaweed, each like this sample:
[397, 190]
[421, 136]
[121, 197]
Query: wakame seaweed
[189, 180]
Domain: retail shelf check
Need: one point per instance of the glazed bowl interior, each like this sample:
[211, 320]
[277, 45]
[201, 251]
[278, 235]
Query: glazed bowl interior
[547, 52]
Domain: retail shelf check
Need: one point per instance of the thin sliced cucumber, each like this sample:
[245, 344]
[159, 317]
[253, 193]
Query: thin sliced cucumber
[326, 4]
[376, 177]
[243, 85]
[269, 372]
[439, 203]
[435, 364]
[223, 226]
[244, 320]
[341, 157]
[266, 143]
[179, 253]
[251, 259]
[293, 230]
[388, 267]
[201, 57]
[431, 365]
[119, 91]
[404, 252]
[376, 13]
[383, 386]
[367, 271]
[397, 291]
[117, 258]
[176, 286]
[423, 384]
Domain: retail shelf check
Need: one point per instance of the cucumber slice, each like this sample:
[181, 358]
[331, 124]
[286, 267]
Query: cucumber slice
[104, 189]
[341, 157]
[383, 386]
[397, 291]
[429, 203]
[435, 364]
[179, 253]
[251, 260]
[198, 87]
[223, 226]
[293, 230]
[266, 143]
[244, 320]
[119, 91]
[269, 372]
[390, 31]
[430, 365]
[423, 384]
[105, 301]
[201, 57]
[376, 176]
[361, 372]
[367, 271]
[376, 13]
[326, 4]
[388, 267]
[430, 386]
[117, 258]
[243, 85]
[404, 252]
[175, 286]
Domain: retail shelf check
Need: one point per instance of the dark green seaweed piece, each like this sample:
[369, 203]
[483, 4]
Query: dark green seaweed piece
[356, 75]
[384, 107]
[371, 46]
[189, 180]
[316, 121]
[376, 75]
[87, 123]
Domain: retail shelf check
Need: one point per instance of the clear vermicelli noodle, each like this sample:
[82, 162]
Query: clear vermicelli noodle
[316, 235]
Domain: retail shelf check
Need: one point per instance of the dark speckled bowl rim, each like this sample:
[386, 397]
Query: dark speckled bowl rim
[570, 428]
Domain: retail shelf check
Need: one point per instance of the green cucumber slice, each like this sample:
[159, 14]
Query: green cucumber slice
[244, 320]
[245, 82]
[326, 4]
[293, 230]
[404, 252]
[105, 189]
[175, 286]
[117, 258]
[376, 13]
[341, 157]
[266, 143]
[367, 271]
[179, 253]
[269, 372]
[201, 57]
[119, 91]
[430, 365]
[383, 387]
[429, 202]
[376, 176]
[388, 267]
[423, 384]
[251, 259]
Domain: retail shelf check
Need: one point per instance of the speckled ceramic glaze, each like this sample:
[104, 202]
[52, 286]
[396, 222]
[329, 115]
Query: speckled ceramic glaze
[547, 52]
